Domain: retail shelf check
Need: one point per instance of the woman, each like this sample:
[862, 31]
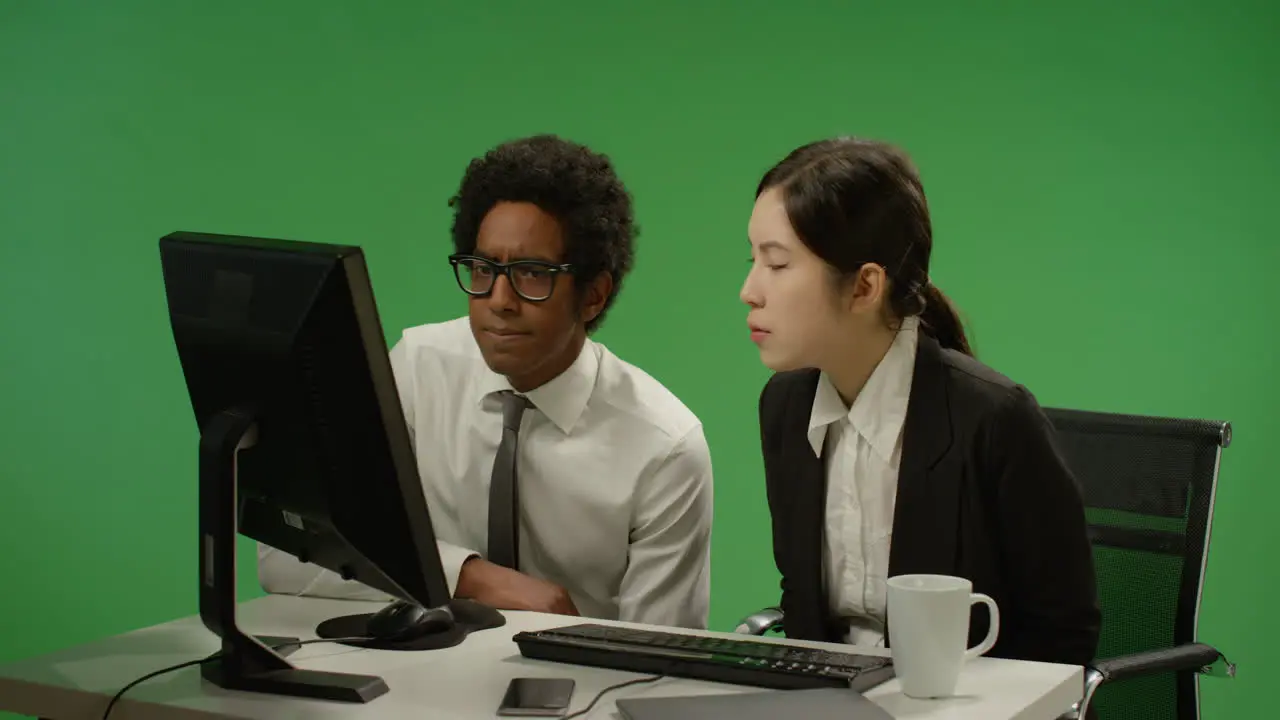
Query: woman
[888, 448]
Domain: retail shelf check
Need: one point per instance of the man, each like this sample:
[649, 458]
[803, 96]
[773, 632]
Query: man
[612, 472]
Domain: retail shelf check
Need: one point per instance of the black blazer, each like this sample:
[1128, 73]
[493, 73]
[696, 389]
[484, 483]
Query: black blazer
[982, 494]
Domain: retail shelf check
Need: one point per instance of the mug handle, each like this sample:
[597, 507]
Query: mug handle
[992, 632]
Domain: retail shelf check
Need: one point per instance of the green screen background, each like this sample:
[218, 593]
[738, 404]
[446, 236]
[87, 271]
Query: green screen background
[1098, 172]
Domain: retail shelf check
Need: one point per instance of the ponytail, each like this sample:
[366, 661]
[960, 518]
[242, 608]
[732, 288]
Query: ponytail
[941, 320]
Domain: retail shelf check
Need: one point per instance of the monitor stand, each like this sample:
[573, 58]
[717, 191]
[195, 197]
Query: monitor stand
[253, 664]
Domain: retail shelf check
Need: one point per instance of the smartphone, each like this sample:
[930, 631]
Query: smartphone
[537, 697]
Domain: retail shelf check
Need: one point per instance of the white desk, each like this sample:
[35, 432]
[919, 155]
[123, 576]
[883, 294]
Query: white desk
[463, 682]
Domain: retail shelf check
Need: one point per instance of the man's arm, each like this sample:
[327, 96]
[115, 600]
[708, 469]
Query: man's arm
[668, 577]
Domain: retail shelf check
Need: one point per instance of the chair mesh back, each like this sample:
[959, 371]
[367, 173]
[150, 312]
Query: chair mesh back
[1148, 487]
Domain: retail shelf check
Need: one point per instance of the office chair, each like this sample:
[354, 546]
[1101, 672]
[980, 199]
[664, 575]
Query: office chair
[1149, 486]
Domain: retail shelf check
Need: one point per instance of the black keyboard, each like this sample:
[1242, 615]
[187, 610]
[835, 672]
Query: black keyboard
[737, 661]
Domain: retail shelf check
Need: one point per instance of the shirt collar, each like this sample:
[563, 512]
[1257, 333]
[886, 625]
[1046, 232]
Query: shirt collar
[827, 408]
[879, 411]
[564, 397]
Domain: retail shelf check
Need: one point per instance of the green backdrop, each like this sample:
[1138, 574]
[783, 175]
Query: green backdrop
[1098, 171]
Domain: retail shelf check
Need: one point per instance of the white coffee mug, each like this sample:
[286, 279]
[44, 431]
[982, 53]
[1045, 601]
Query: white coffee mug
[929, 630]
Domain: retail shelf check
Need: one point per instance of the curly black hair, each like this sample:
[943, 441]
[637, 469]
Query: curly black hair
[571, 182]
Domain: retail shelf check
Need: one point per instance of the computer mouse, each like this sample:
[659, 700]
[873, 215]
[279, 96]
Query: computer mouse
[402, 621]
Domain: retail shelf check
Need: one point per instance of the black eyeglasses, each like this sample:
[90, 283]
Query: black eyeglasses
[533, 280]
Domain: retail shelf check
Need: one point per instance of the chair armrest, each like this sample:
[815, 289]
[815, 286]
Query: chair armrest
[761, 622]
[1192, 656]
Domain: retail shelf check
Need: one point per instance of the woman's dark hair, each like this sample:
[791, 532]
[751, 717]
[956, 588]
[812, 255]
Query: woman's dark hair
[852, 202]
[575, 184]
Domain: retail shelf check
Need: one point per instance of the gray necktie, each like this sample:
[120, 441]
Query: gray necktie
[504, 505]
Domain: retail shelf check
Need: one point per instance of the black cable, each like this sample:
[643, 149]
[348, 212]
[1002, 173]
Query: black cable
[611, 688]
[173, 668]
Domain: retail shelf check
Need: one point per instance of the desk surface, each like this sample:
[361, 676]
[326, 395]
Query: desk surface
[458, 683]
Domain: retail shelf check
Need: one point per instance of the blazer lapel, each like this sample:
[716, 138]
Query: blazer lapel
[808, 519]
[927, 504]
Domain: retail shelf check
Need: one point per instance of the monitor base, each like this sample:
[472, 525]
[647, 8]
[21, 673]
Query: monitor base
[246, 662]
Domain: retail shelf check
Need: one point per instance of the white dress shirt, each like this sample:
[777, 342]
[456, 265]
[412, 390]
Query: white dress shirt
[614, 472]
[862, 483]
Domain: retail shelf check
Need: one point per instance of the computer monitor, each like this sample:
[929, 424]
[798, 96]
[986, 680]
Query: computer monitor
[303, 445]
